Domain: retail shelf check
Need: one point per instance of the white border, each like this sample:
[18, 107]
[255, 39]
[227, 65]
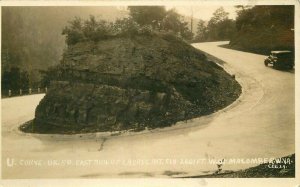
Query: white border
[286, 182]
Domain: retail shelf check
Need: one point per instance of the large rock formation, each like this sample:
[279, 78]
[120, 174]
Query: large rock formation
[132, 83]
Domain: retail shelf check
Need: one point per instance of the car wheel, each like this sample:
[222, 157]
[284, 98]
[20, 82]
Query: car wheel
[266, 63]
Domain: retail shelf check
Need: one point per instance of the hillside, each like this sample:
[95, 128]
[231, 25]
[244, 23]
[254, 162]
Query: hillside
[134, 82]
[262, 29]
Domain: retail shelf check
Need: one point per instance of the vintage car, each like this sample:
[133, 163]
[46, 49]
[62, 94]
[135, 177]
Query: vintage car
[280, 60]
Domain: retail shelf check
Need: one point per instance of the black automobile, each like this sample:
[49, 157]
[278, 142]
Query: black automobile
[280, 60]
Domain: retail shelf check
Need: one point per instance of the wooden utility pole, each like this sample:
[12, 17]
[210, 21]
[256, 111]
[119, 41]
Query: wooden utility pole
[192, 19]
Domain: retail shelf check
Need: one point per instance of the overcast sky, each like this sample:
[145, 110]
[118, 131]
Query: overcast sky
[203, 12]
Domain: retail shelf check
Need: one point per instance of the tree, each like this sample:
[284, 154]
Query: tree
[186, 33]
[218, 16]
[96, 30]
[143, 20]
[271, 24]
[220, 27]
[265, 17]
[201, 31]
[74, 32]
[24, 80]
[147, 15]
[14, 80]
[5, 81]
[15, 77]
[90, 30]
[125, 26]
[174, 22]
[226, 29]
[90, 27]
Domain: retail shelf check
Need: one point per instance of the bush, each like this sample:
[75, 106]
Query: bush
[146, 30]
[125, 26]
[96, 30]
[90, 30]
[74, 32]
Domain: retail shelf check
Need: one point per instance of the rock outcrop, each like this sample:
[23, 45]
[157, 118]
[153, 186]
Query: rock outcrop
[132, 83]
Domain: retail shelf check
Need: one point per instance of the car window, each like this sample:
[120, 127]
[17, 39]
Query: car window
[286, 55]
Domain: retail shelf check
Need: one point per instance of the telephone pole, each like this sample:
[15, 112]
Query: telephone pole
[192, 19]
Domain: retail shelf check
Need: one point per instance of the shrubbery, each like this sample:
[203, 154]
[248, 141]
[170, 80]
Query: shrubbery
[142, 20]
[91, 29]
[96, 30]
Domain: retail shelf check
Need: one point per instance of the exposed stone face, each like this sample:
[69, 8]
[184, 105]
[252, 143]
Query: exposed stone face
[106, 107]
[132, 83]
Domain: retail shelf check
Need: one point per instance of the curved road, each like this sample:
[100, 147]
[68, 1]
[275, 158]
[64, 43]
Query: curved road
[260, 124]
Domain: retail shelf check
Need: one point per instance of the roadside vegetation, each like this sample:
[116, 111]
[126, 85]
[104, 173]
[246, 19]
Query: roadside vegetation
[261, 29]
[218, 28]
[257, 29]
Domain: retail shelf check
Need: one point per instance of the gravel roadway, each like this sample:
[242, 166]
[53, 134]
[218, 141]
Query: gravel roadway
[260, 124]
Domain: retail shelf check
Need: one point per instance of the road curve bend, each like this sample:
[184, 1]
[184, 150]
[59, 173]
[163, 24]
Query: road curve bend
[260, 124]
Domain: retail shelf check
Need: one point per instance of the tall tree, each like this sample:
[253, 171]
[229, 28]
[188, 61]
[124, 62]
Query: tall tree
[220, 27]
[14, 80]
[218, 16]
[201, 31]
[172, 21]
[175, 23]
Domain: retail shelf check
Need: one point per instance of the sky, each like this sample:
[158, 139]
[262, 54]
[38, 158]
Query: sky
[203, 12]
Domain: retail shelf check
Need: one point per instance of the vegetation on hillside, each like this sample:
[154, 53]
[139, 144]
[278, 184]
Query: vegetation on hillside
[219, 27]
[142, 20]
[261, 29]
[258, 29]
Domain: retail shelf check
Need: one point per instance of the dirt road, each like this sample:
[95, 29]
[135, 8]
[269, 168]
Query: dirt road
[260, 124]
